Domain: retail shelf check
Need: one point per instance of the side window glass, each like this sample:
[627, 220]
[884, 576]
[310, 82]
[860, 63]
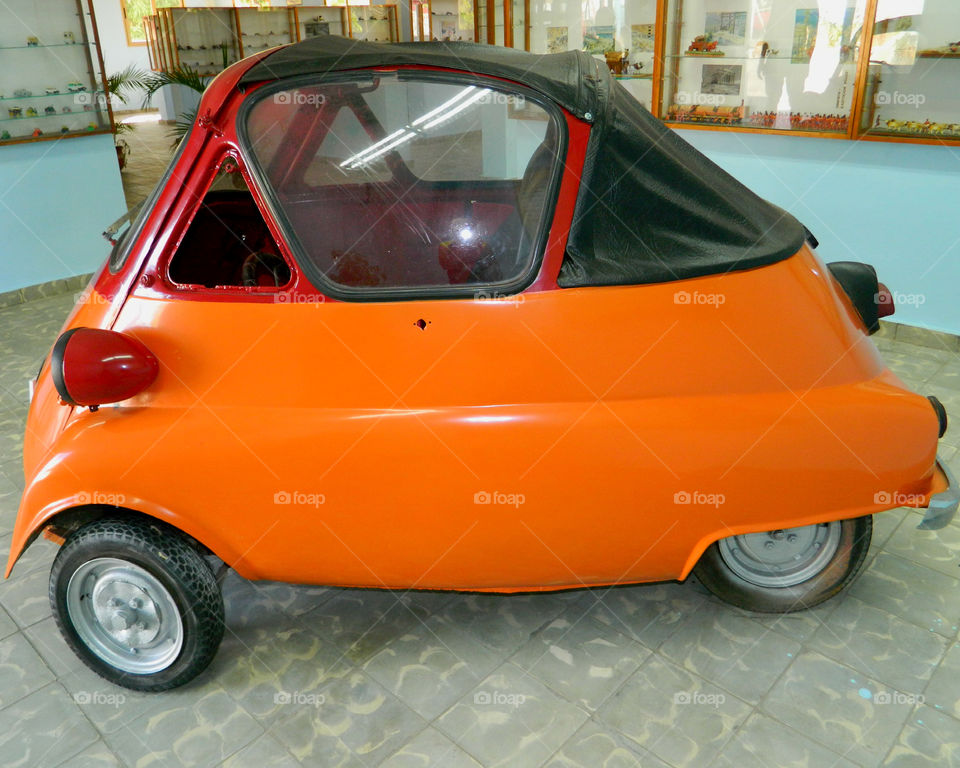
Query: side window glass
[399, 185]
[228, 243]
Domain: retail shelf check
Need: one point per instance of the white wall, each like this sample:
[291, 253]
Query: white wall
[113, 43]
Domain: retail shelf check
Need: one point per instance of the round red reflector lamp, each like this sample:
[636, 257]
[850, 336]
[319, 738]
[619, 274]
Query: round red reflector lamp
[91, 367]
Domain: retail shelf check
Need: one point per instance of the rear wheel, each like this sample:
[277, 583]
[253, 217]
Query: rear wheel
[786, 570]
[137, 603]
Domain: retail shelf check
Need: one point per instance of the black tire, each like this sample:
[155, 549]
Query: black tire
[715, 572]
[171, 564]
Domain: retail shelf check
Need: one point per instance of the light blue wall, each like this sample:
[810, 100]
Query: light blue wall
[896, 206]
[56, 197]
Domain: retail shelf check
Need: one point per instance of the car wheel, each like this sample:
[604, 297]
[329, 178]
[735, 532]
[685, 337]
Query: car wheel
[137, 603]
[786, 570]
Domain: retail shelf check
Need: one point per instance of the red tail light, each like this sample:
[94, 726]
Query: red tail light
[91, 367]
[885, 305]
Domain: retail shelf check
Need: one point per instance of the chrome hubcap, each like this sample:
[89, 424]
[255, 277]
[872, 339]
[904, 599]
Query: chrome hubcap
[125, 615]
[781, 558]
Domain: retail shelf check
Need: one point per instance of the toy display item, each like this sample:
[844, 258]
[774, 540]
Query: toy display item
[950, 49]
[68, 38]
[799, 121]
[32, 42]
[36, 132]
[427, 355]
[15, 111]
[76, 87]
[22, 93]
[64, 129]
[617, 61]
[51, 90]
[5, 135]
[926, 128]
[701, 113]
[65, 110]
[49, 110]
[31, 112]
[702, 45]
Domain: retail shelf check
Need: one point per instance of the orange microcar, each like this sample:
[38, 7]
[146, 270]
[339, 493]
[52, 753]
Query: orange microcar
[448, 316]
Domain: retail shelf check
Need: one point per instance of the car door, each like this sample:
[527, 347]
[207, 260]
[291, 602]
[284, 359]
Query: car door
[405, 410]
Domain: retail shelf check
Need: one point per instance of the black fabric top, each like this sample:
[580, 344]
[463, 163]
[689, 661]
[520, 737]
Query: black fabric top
[650, 208]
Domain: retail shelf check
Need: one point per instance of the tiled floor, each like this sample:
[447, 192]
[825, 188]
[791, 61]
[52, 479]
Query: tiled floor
[650, 676]
[150, 151]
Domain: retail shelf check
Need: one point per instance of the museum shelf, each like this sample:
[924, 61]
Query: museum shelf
[910, 78]
[61, 52]
[785, 69]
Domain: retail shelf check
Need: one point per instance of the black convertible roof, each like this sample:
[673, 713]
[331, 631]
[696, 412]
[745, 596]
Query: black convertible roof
[650, 209]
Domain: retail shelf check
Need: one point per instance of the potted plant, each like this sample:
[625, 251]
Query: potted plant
[183, 76]
[120, 86]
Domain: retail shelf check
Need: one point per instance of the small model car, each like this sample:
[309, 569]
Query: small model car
[702, 44]
[32, 42]
[51, 90]
[76, 87]
[15, 112]
[456, 317]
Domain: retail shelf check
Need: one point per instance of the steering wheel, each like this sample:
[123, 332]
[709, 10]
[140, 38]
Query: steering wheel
[263, 269]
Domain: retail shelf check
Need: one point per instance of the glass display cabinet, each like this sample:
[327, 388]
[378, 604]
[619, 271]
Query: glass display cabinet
[420, 20]
[374, 23]
[763, 65]
[452, 20]
[912, 78]
[315, 20]
[264, 27]
[622, 33]
[503, 22]
[51, 73]
[204, 39]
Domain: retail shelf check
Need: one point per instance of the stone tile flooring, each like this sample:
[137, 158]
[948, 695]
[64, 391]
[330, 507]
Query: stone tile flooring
[652, 676]
[150, 152]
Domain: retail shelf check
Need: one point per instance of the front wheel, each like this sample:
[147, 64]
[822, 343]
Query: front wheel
[137, 603]
[786, 570]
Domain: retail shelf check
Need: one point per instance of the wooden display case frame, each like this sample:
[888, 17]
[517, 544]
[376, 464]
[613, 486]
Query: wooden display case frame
[861, 85]
[491, 36]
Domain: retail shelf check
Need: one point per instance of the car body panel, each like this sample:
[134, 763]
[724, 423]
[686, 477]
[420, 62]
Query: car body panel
[381, 449]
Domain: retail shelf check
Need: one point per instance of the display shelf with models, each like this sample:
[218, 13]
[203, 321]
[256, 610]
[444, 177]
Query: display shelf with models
[51, 77]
